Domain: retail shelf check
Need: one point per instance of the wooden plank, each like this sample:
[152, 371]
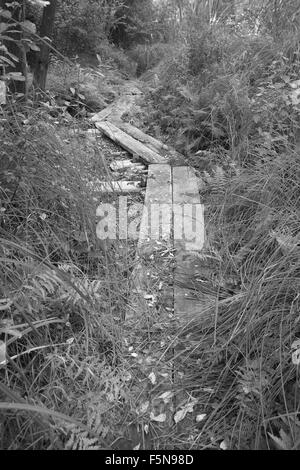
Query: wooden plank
[130, 144]
[116, 109]
[188, 210]
[151, 300]
[120, 187]
[123, 165]
[139, 135]
[188, 217]
[156, 145]
[155, 233]
[157, 215]
[103, 114]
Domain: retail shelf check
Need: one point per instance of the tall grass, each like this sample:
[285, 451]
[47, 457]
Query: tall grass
[245, 353]
[238, 104]
[62, 298]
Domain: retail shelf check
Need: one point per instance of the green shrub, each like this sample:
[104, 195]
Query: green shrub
[80, 27]
[56, 320]
[110, 54]
[207, 47]
[222, 89]
[148, 56]
[249, 363]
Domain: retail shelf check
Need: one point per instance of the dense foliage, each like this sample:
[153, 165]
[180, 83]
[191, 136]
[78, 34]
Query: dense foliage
[222, 85]
[229, 100]
[82, 26]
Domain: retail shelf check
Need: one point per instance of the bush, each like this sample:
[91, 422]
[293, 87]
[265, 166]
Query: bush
[115, 56]
[250, 366]
[81, 27]
[238, 108]
[206, 47]
[55, 318]
[222, 89]
[148, 56]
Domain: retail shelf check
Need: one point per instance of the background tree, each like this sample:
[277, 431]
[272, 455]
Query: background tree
[137, 23]
[43, 55]
[12, 40]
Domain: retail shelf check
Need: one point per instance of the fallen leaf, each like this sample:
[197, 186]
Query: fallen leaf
[200, 417]
[152, 378]
[3, 360]
[181, 414]
[223, 445]
[144, 407]
[159, 418]
[148, 360]
[296, 344]
[167, 396]
[165, 375]
[296, 353]
[296, 357]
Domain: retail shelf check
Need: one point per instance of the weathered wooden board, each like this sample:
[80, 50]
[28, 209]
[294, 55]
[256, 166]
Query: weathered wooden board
[123, 165]
[188, 219]
[139, 135]
[120, 187]
[157, 216]
[104, 113]
[151, 298]
[120, 106]
[130, 144]
[155, 232]
[156, 145]
[188, 211]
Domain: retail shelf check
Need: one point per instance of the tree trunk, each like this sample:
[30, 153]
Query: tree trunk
[42, 60]
[15, 47]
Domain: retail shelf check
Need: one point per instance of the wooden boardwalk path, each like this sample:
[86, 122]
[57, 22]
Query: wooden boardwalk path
[168, 256]
[172, 189]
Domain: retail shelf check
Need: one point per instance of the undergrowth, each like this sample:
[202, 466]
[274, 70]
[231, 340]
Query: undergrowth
[228, 99]
[63, 291]
[233, 112]
[246, 356]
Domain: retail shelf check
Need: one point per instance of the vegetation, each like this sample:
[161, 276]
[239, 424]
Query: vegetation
[228, 99]
[221, 81]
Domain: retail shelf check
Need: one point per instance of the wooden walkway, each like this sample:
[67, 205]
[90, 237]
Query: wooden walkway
[173, 212]
[168, 258]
